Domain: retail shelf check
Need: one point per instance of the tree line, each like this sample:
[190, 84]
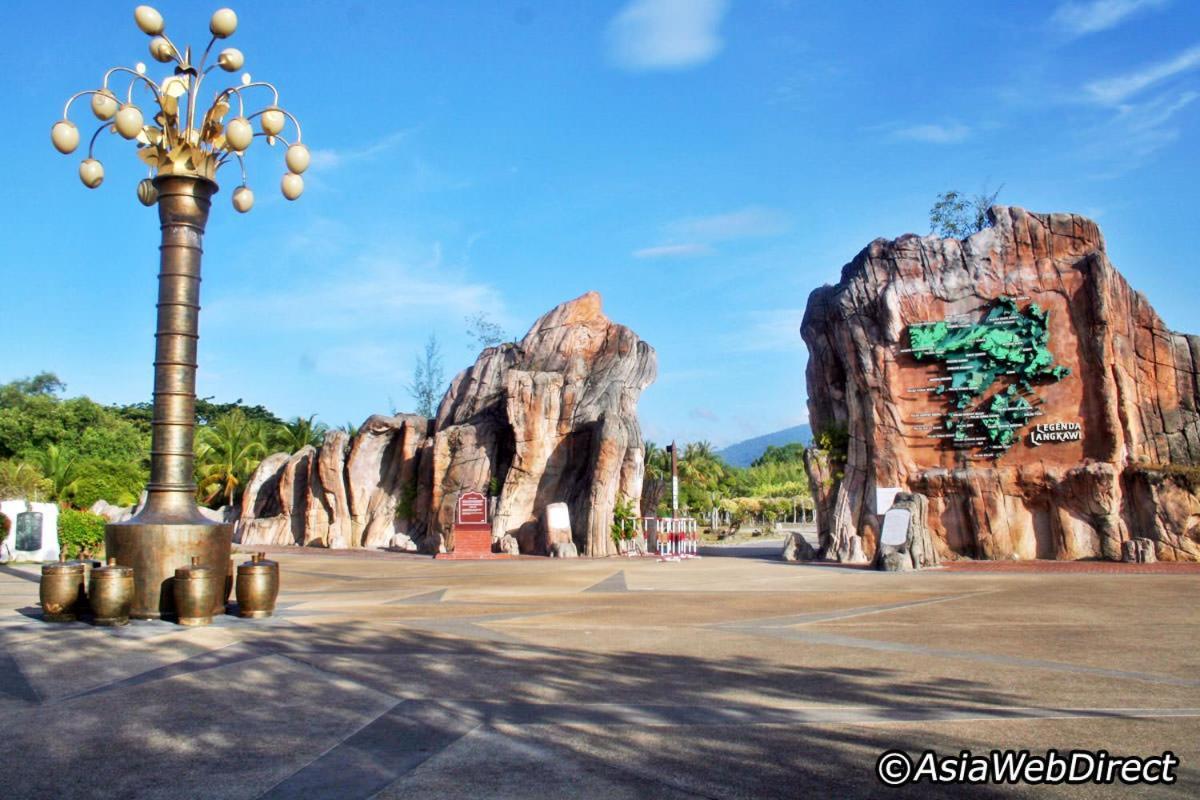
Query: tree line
[773, 488]
[75, 451]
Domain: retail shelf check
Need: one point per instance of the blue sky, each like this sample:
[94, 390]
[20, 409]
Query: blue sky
[703, 164]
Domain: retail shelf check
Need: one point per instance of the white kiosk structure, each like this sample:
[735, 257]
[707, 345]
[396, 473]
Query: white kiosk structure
[32, 531]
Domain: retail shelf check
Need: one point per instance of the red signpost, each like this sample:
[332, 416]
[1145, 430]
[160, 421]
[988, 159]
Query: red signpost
[471, 509]
[472, 531]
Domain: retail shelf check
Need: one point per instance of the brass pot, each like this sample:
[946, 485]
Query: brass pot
[257, 587]
[88, 565]
[110, 592]
[195, 594]
[62, 591]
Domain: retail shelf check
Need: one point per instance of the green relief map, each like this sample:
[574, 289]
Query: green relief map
[1004, 355]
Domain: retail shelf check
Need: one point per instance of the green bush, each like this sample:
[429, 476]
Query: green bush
[120, 483]
[623, 520]
[834, 440]
[80, 533]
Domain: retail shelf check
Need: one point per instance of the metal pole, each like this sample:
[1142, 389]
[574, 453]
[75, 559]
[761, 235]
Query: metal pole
[674, 483]
[170, 529]
[183, 213]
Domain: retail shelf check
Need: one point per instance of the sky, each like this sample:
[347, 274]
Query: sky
[703, 164]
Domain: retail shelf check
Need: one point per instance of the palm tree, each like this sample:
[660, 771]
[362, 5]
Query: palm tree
[654, 457]
[658, 469]
[58, 466]
[228, 450]
[299, 432]
[21, 481]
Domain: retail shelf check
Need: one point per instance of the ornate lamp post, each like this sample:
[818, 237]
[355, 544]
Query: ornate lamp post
[183, 151]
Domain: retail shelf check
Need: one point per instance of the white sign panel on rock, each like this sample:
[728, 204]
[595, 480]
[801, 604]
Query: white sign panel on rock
[895, 527]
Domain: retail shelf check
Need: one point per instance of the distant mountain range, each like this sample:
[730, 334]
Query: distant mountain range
[743, 453]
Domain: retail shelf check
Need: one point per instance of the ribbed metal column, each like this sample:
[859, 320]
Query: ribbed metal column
[183, 205]
[169, 529]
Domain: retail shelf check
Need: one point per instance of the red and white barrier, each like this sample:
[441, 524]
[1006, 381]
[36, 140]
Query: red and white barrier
[675, 538]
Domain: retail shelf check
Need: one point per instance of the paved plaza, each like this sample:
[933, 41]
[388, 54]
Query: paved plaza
[733, 676]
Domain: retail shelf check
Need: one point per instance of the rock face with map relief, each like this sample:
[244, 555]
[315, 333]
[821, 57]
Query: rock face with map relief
[549, 419]
[1017, 381]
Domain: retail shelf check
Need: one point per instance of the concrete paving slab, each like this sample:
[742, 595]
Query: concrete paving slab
[391, 745]
[233, 731]
[500, 764]
[397, 676]
[83, 659]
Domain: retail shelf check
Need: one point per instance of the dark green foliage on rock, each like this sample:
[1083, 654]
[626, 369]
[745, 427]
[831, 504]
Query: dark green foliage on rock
[956, 216]
[835, 441]
[427, 386]
[1009, 343]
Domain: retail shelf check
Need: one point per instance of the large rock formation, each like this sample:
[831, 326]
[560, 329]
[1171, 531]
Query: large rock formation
[327, 510]
[381, 477]
[1132, 389]
[552, 418]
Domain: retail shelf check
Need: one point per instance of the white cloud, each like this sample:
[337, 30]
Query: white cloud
[696, 235]
[332, 159]
[1153, 114]
[1116, 90]
[366, 292]
[934, 133]
[745, 223]
[674, 251]
[1135, 132]
[1079, 18]
[666, 34]
[705, 414]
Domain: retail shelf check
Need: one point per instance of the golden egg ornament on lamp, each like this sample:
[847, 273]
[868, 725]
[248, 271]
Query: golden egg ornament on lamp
[105, 104]
[183, 145]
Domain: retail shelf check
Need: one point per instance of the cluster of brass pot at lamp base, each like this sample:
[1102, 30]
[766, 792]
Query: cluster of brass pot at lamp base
[70, 589]
[196, 588]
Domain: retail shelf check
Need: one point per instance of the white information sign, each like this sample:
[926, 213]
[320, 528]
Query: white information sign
[895, 527]
[557, 516]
